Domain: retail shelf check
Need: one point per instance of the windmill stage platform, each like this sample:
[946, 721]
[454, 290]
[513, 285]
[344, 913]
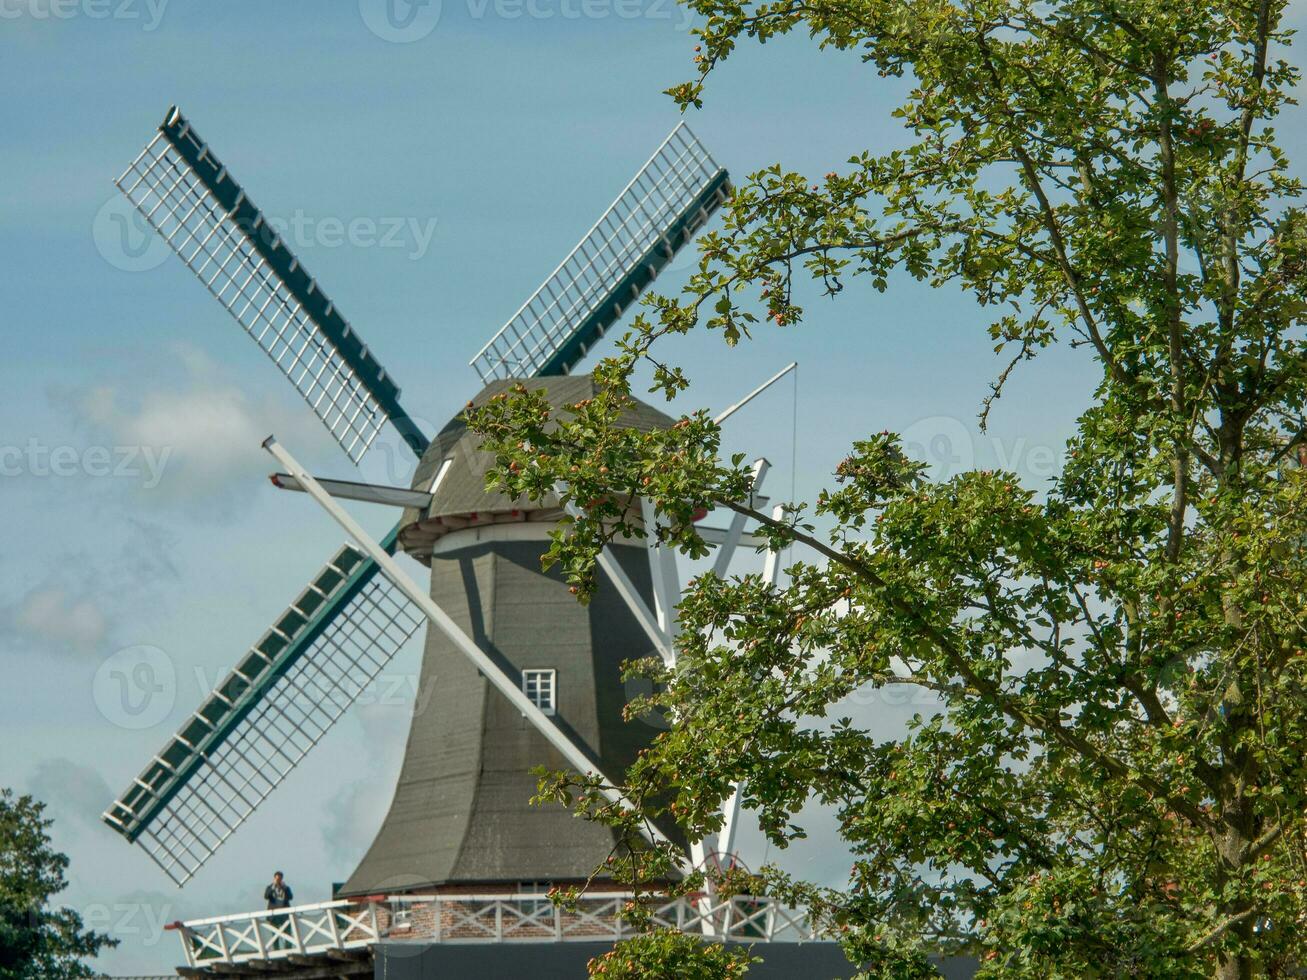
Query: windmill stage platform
[426, 937]
[496, 935]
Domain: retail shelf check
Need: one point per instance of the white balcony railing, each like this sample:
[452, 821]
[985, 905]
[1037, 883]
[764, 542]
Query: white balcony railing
[357, 924]
[277, 934]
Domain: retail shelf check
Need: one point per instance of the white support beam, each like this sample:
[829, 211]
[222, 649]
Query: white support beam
[727, 413]
[631, 596]
[730, 820]
[667, 595]
[738, 520]
[731, 808]
[369, 493]
[771, 564]
[643, 614]
[575, 756]
[663, 573]
[660, 627]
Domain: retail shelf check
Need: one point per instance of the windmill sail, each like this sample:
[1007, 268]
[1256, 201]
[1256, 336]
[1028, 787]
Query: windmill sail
[278, 702]
[199, 209]
[655, 214]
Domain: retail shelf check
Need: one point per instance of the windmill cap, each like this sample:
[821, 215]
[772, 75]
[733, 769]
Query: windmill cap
[459, 495]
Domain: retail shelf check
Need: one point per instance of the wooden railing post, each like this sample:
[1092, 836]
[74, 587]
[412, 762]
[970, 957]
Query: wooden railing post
[295, 932]
[335, 927]
[188, 943]
[258, 936]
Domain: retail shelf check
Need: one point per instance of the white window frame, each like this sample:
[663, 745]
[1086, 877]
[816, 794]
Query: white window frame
[540, 684]
[533, 897]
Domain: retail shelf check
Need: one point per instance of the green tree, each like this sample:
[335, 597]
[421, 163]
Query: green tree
[37, 941]
[1114, 783]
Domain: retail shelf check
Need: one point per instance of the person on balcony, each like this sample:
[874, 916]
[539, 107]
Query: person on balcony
[278, 896]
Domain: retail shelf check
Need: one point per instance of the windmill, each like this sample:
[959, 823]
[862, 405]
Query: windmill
[497, 620]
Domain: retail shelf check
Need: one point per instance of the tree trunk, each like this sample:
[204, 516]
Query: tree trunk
[1235, 967]
[1233, 851]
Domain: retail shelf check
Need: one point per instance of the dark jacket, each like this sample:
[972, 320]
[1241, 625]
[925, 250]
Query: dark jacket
[278, 896]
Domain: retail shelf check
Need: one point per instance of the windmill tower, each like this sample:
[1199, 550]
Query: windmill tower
[460, 815]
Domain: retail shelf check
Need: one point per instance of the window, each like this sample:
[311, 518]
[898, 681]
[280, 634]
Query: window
[538, 685]
[533, 897]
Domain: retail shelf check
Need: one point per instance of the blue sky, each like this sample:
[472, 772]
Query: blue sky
[133, 509]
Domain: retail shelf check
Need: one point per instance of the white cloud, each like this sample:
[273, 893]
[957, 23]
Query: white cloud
[87, 593]
[198, 441]
[212, 427]
[51, 615]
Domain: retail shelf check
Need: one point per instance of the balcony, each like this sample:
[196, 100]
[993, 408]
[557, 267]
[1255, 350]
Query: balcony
[340, 934]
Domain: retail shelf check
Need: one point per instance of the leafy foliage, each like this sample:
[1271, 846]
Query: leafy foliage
[1114, 783]
[37, 942]
[670, 955]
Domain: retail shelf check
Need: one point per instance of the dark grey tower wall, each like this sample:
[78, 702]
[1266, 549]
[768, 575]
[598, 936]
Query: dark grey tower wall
[461, 813]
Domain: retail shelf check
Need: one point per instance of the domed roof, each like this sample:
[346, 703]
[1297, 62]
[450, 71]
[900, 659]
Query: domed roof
[460, 498]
